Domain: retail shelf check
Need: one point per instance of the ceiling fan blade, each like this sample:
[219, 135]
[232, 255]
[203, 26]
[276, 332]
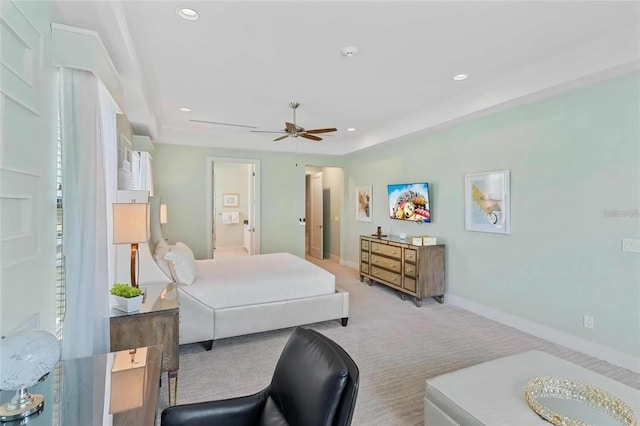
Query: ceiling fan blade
[291, 128]
[281, 137]
[267, 131]
[312, 137]
[223, 124]
[333, 129]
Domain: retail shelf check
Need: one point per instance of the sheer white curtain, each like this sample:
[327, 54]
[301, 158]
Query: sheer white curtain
[110, 140]
[146, 177]
[87, 172]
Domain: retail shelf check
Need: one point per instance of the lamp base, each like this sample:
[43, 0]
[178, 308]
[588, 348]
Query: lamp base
[10, 411]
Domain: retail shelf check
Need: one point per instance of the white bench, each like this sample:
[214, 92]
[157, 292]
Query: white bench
[492, 393]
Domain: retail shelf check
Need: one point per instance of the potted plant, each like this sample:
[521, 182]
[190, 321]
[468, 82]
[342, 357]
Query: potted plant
[128, 298]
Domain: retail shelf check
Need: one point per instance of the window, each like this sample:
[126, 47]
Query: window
[135, 170]
[60, 274]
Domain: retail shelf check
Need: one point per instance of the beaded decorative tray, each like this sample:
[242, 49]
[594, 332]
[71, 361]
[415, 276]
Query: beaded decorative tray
[586, 403]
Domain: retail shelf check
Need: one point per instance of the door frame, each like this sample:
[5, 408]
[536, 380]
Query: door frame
[313, 213]
[209, 200]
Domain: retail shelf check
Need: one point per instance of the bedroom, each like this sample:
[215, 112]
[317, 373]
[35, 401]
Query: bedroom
[562, 260]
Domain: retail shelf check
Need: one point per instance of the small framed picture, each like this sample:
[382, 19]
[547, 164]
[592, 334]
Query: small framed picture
[487, 199]
[230, 200]
[363, 203]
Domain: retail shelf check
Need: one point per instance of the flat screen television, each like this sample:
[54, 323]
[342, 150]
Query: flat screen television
[410, 202]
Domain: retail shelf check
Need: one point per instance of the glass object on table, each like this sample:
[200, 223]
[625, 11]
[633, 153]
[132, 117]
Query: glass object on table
[26, 359]
[567, 402]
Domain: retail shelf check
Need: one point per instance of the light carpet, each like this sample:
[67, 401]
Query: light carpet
[396, 345]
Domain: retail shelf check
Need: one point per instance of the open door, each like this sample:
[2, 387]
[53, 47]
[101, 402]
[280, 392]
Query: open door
[240, 179]
[317, 209]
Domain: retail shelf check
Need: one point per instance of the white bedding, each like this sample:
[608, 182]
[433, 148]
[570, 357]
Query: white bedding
[222, 283]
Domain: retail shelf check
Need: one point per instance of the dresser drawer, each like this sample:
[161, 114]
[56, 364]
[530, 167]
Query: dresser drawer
[387, 250]
[364, 244]
[386, 262]
[409, 284]
[388, 276]
[410, 255]
[364, 267]
[364, 256]
[410, 269]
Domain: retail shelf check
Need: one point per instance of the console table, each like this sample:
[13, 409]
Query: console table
[90, 391]
[412, 270]
[156, 323]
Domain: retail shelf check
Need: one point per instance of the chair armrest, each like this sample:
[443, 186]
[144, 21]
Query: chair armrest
[242, 411]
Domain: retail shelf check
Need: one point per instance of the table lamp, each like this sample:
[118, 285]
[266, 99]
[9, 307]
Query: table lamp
[131, 226]
[26, 359]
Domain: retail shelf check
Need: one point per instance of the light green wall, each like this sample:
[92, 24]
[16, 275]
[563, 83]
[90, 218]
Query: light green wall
[180, 178]
[570, 156]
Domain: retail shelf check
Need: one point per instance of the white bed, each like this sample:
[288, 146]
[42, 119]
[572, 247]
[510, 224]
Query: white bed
[233, 297]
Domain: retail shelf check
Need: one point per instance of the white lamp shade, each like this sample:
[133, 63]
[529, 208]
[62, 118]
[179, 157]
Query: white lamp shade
[27, 356]
[163, 213]
[130, 223]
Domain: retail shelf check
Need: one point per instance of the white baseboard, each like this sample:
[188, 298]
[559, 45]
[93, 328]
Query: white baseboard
[350, 264]
[559, 337]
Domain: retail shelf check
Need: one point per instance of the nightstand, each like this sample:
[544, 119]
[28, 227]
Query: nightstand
[156, 323]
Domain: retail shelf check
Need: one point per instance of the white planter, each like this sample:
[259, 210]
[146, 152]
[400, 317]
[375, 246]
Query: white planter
[128, 304]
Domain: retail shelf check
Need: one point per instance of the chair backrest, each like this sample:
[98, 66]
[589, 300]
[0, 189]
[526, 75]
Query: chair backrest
[315, 382]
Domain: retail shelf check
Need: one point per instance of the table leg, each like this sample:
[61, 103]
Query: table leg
[173, 387]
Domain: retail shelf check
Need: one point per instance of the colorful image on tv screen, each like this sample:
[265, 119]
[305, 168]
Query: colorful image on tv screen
[409, 201]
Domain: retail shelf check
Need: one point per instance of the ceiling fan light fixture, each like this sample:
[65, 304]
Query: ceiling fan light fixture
[188, 13]
[185, 109]
[349, 51]
[460, 77]
[351, 129]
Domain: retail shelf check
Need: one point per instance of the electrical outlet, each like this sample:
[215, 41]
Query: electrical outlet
[588, 322]
[631, 245]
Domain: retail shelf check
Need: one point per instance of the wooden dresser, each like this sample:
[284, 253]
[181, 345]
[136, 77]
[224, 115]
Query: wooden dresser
[414, 270]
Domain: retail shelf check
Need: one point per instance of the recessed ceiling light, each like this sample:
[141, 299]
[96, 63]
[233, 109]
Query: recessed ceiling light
[349, 51]
[351, 129]
[185, 109]
[460, 77]
[188, 13]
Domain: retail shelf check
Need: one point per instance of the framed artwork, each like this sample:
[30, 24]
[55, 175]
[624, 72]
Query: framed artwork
[230, 200]
[363, 203]
[486, 202]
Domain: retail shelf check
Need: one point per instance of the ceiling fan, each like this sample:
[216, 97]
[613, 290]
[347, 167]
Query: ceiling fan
[293, 130]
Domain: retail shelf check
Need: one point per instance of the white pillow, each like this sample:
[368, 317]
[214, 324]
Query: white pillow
[162, 248]
[182, 263]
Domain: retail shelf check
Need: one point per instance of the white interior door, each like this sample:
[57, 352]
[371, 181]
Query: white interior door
[252, 210]
[27, 169]
[317, 208]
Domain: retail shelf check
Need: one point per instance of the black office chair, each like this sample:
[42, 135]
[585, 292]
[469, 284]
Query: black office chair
[315, 383]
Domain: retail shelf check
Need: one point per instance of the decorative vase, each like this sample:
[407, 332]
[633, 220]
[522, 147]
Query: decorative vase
[128, 304]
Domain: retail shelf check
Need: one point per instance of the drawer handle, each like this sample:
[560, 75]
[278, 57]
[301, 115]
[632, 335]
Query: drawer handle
[394, 279]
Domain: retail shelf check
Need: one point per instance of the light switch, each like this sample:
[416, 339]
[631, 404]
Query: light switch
[631, 245]
[337, 219]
